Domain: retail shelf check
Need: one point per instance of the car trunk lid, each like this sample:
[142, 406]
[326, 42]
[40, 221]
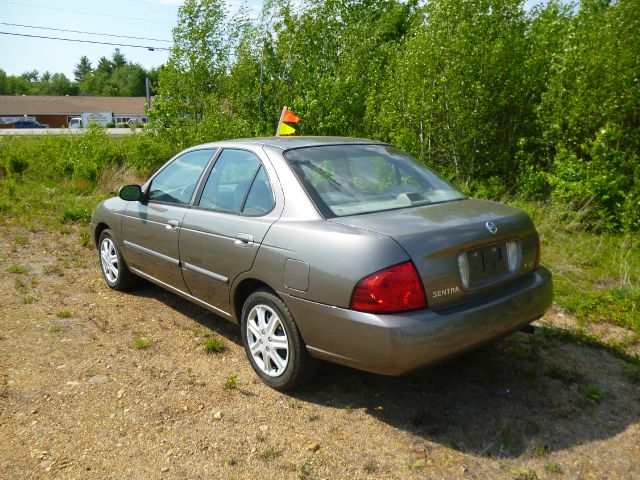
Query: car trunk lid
[462, 249]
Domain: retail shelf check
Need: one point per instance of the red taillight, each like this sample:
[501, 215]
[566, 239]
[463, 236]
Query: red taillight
[538, 252]
[394, 289]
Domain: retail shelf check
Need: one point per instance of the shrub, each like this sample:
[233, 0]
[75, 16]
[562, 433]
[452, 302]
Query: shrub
[77, 214]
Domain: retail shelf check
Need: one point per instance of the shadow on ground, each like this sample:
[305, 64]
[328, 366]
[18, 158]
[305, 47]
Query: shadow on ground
[524, 395]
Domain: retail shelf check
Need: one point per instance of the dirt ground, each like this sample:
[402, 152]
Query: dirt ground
[79, 400]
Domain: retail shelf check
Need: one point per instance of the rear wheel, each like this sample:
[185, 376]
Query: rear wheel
[114, 269]
[273, 343]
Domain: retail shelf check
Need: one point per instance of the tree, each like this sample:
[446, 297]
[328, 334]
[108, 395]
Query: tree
[118, 59]
[83, 68]
[3, 83]
[105, 65]
[193, 78]
[31, 76]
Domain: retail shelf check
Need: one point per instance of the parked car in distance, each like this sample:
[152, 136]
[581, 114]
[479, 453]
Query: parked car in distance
[337, 249]
[75, 122]
[29, 124]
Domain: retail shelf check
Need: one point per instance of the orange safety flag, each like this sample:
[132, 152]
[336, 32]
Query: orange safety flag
[286, 129]
[287, 116]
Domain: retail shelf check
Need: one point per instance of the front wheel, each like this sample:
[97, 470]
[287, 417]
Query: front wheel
[114, 269]
[273, 343]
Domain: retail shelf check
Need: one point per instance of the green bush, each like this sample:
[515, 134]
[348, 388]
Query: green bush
[77, 214]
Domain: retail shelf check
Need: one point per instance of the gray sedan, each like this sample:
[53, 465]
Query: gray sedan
[343, 250]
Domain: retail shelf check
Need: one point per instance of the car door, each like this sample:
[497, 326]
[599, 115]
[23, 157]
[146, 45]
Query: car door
[221, 234]
[150, 228]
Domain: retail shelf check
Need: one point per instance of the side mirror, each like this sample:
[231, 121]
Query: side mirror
[130, 193]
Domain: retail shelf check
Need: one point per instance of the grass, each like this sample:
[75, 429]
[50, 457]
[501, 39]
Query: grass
[55, 329]
[592, 392]
[214, 345]
[18, 269]
[596, 276]
[63, 314]
[269, 454]
[20, 240]
[580, 336]
[563, 374]
[231, 382]
[553, 467]
[140, 343]
[632, 373]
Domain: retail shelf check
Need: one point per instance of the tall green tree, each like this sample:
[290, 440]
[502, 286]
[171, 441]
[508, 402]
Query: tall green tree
[191, 83]
[83, 68]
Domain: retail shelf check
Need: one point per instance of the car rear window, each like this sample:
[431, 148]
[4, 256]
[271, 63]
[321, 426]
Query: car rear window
[355, 179]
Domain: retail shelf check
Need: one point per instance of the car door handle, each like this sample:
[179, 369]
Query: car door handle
[172, 225]
[244, 240]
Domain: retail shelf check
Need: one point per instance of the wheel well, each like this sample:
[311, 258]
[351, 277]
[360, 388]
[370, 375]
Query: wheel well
[99, 229]
[246, 288]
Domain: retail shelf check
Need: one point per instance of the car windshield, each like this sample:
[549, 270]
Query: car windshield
[354, 179]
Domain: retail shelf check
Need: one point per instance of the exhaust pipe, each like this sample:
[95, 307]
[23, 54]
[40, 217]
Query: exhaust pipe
[530, 329]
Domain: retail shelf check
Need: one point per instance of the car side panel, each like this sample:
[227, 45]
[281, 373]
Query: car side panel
[151, 242]
[337, 256]
[213, 252]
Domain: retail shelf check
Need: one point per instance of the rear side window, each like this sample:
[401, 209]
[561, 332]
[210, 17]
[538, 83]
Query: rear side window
[237, 184]
[177, 181]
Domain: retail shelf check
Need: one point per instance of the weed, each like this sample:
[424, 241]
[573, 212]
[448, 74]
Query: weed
[508, 442]
[541, 450]
[20, 285]
[55, 329]
[418, 464]
[51, 269]
[17, 268]
[20, 240]
[304, 473]
[63, 314]
[269, 454]
[85, 238]
[524, 474]
[76, 214]
[370, 467]
[561, 373]
[141, 343]
[231, 382]
[29, 299]
[526, 352]
[592, 392]
[231, 461]
[632, 373]
[552, 467]
[214, 345]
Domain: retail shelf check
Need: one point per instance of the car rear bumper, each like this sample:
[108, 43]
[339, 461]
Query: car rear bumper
[398, 343]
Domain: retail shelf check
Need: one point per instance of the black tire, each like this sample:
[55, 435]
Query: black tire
[118, 278]
[300, 366]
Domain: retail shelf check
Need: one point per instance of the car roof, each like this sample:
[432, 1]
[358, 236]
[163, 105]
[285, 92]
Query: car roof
[287, 143]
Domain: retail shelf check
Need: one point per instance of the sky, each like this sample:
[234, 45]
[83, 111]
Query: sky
[134, 18]
[151, 19]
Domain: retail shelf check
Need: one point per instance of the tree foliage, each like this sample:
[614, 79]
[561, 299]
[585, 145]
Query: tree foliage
[542, 103]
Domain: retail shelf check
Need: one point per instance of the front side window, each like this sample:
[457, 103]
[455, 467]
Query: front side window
[237, 184]
[177, 181]
[354, 179]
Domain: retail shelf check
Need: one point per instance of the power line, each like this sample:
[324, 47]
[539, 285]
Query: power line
[84, 41]
[99, 14]
[80, 31]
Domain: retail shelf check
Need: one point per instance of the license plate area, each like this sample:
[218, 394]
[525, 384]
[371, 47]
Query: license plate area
[489, 264]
